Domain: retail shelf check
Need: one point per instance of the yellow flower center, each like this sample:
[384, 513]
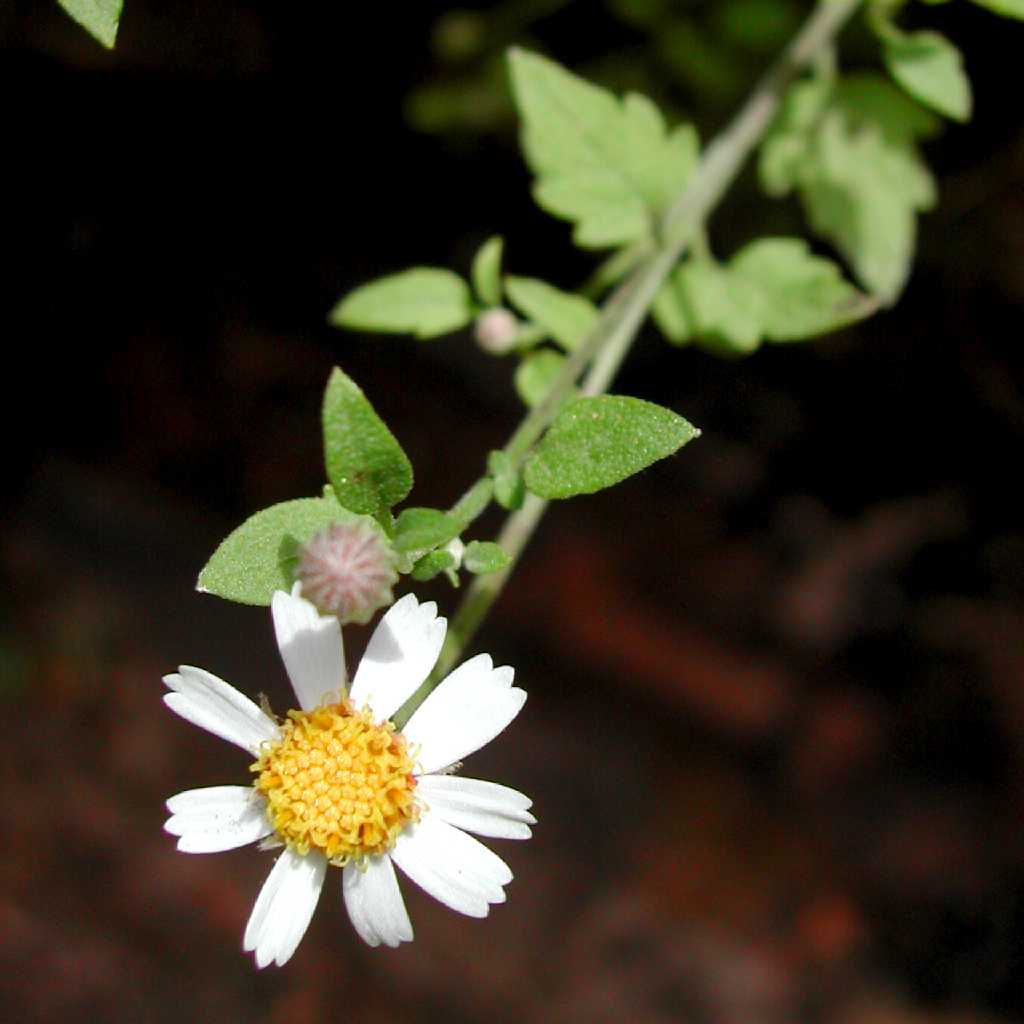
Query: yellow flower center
[338, 783]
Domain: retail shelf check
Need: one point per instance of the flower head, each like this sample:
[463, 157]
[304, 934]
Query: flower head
[336, 784]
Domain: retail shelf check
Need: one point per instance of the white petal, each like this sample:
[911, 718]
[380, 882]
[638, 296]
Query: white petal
[284, 907]
[204, 700]
[453, 867]
[311, 649]
[374, 903]
[477, 806]
[466, 711]
[217, 818]
[402, 651]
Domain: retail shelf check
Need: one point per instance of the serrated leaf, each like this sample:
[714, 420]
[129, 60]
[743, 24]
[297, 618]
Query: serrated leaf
[931, 69]
[850, 149]
[509, 489]
[417, 529]
[367, 468]
[259, 556]
[862, 191]
[486, 272]
[432, 564]
[424, 301]
[536, 373]
[793, 294]
[609, 166]
[1007, 8]
[484, 556]
[594, 443]
[99, 18]
[565, 317]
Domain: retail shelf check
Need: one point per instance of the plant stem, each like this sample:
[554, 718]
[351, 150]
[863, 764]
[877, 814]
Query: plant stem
[625, 309]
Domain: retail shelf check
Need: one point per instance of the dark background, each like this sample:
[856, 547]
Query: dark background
[776, 725]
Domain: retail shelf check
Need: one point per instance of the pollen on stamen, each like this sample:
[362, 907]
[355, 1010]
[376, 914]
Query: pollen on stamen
[338, 783]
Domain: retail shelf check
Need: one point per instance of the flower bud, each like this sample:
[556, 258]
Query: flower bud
[456, 549]
[496, 331]
[348, 570]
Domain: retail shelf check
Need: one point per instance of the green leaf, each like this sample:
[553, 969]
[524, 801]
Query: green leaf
[596, 442]
[259, 557]
[931, 69]
[1007, 8]
[484, 556]
[871, 100]
[509, 489]
[425, 301]
[433, 563]
[567, 318]
[536, 373]
[718, 306]
[486, 273]
[788, 142]
[99, 18]
[609, 166]
[417, 529]
[851, 152]
[793, 294]
[365, 464]
[862, 192]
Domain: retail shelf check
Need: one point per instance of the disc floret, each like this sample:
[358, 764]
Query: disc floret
[337, 782]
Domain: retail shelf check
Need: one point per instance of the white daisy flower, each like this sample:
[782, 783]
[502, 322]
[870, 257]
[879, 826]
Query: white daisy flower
[337, 784]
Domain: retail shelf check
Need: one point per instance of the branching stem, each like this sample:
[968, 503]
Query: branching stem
[624, 311]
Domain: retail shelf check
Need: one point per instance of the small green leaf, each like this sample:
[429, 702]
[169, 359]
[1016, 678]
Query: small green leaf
[99, 18]
[567, 318]
[596, 442]
[788, 142]
[365, 464]
[536, 373]
[509, 489]
[484, 556]
[259, 557]
[486, 273]
[793, 294]
[417, 529]
[931, 69]
[718, 307]
[1007, 8]
[425, 301]
[609, 166]
[862, 192]
[851, 152]
[433, 563]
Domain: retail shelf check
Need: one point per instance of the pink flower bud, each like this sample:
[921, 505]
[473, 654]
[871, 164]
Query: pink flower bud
[348, 570]
[496, 331]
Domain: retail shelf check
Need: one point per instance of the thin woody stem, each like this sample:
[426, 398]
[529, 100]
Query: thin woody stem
[623, 312]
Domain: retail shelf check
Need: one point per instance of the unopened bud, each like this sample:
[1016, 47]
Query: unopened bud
[456, 549]
[348, 570]
[496, 331]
